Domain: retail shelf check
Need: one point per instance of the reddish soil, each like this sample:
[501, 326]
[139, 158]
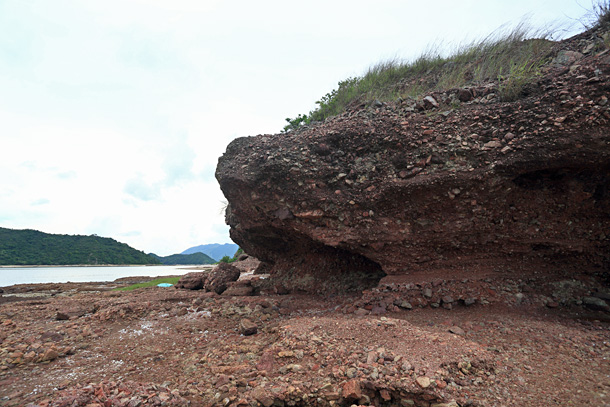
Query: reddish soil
[518, 342]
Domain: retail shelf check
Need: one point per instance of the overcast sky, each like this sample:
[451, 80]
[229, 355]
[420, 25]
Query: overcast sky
[113, 113]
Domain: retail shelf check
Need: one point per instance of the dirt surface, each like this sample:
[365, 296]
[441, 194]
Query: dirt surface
[486, 342]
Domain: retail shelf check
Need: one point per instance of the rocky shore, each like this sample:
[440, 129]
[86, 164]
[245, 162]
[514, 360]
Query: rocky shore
[483, 342]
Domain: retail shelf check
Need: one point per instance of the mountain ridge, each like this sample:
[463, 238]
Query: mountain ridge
[33, 247]
[215, 250]
[176, 259]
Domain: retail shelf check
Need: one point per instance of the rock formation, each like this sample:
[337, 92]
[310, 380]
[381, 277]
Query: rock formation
[192, 281]
[391, 189]
[216, 280]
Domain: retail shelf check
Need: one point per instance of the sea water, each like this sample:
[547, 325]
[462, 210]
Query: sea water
[82, 274]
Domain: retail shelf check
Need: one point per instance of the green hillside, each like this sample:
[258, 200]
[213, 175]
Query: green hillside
[194, 258]
[31, 247]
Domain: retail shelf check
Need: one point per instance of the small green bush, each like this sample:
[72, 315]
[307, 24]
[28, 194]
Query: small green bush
[227, 259]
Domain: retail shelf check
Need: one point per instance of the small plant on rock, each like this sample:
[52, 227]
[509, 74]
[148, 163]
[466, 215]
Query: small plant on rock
[512, 85]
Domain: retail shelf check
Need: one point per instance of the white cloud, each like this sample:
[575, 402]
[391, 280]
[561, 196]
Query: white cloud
[41, 201]
[138, 188]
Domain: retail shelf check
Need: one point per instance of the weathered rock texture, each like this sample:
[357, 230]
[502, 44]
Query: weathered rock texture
[216, 280]
[192, 281]
[219, 278]
[486, 187]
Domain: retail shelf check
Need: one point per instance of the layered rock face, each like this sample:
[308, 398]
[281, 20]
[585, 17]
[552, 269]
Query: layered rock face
[396, 189]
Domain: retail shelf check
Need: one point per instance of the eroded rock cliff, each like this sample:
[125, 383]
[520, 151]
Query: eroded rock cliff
[397, 189]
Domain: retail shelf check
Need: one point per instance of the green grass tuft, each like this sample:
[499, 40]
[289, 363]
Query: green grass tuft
[152, 283]
[512, 57]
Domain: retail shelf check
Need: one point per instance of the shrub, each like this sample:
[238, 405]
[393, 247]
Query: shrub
[227, 259]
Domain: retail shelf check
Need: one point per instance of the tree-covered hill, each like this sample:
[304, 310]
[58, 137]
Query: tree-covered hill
[31, 247]
[194, 258]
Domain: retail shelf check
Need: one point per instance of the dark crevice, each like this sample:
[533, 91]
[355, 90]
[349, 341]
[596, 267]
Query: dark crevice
[300, 264]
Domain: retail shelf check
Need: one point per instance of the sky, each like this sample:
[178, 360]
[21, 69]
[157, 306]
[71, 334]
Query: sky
[113, 113]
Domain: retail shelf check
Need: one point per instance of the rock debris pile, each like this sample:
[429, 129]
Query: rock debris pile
[175, 347]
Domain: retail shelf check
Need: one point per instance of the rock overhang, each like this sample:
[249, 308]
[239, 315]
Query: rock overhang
[523, 185]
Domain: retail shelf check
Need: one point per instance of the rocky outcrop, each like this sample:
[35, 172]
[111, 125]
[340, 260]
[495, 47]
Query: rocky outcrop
[216, 280]
[219, 278]
[192, 281]
[520, 187]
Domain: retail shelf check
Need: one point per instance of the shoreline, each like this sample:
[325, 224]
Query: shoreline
[190, 266]
[11, 276]
[80, 265]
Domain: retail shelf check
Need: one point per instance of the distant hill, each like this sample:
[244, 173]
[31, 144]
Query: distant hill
[31, 247]
[194, 258]
[215, 250]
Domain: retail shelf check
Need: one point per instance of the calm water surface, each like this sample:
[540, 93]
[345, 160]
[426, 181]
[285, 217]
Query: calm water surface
[31, 275]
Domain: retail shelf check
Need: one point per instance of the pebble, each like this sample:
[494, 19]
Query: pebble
[492, 144]
[351, 390]
[62, 316]
[361, 312]
[596, 303]
[423, 382]
[457, 330]
[371, 358]
[247, 327]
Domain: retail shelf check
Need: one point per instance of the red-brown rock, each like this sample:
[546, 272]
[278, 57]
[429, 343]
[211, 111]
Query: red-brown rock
[247, 327]
[337, 205]
[219, 278]
[192, 281]
[239, 289]
[352, 390]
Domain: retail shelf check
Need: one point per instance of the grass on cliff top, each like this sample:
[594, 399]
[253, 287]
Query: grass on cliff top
[152, 283]
[511, 57]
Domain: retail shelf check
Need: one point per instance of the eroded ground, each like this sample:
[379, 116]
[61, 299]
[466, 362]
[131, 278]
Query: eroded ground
[487, 342]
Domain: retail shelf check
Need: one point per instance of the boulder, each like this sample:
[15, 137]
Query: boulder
[386, 191]
[246, 264]
[239, 289]
[219, 278]
[192, 281]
